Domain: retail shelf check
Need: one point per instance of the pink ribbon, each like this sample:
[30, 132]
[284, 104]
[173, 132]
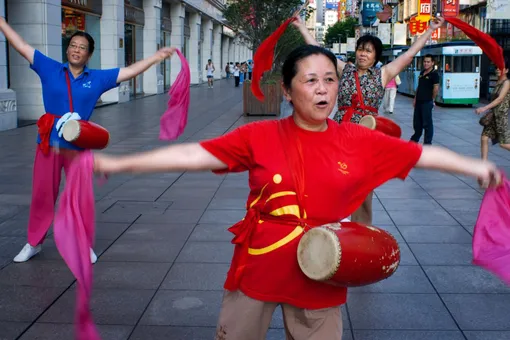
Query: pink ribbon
[74, 229]
[175, 118]
[491, 238]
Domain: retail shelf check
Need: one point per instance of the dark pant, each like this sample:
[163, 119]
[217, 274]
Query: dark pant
[422, 120]
[237, 81]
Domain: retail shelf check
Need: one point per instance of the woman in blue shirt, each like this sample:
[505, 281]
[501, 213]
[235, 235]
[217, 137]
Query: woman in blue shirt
[53, 152]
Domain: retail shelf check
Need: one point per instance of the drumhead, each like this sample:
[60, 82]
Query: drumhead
[319, 253]
[71, 130]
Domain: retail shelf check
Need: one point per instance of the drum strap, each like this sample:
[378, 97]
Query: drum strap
[45, 123]
[357, 103]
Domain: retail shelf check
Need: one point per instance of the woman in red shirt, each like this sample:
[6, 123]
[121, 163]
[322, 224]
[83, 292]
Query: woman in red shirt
[338, 165]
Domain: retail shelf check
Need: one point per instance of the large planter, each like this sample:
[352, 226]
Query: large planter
[272, 99]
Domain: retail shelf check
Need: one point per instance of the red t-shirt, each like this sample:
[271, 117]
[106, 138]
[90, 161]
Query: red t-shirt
[341, 166]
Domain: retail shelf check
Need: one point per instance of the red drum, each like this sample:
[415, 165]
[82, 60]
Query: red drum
[382, 124]
[348, 254]
[86, 135]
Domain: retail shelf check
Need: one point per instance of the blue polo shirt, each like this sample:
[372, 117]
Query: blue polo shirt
[86, 91]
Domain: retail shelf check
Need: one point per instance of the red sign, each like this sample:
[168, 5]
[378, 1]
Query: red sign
[424, 10]
[413, 26]
[450, 8]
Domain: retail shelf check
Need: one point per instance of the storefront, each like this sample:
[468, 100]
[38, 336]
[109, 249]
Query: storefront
[79, 15]
[166, 31]
[134, 19]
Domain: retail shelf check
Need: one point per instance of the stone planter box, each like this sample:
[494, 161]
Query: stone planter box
[272, 100]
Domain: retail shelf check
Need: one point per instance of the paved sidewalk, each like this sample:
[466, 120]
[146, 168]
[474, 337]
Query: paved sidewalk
[164, 248]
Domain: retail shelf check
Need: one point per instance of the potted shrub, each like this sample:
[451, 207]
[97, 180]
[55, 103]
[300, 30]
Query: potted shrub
[271, 87]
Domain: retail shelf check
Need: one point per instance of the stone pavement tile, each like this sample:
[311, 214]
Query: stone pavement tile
[173, 333]
[62, 331]
[487, 335]
[117, 217]
[226, 192]
[422, 174]
[37, 274]
[464, 279]
[460, 204]
[129, 275]
[194, 183]
[25, 304]
[407, 279]
[435, 234]
[10, 246]
[183, 308]
[173, 216]
[421, 218]
[381, 217]
[393, 231]
[211, 232]
[406, 256]
[190, 204]
[174, 194]
[450, 183]
[11, 330]
[466, 218]
[125, 206]
[475, 312]
[206, 252]
[5, 261]
[398, 311]
[228, 204]
[148, 251]
[142, 192]
[409, 204]
[227, 217]
[408, 335]
[196, 276]
[452, 193]
[108, 306]
[142, 232]
[110, 231]
[9, 210]
[435, 254]
[14, 227]
[406, 193]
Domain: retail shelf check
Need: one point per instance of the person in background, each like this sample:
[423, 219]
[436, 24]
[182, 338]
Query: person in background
[428, 88]
[250, 69]
[390, 93]
[210, 73]
[227, 71]
[60, 82]
[237, 74]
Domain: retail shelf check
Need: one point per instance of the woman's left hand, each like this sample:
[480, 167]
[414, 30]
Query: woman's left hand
[436, 23]
[164, 53]
[480, 110]
[491, 176]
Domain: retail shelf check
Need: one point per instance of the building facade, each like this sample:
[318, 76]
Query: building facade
[125, 31]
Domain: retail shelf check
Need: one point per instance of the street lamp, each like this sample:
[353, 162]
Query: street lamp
[392, 4]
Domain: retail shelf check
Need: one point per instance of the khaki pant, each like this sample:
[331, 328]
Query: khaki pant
[243, 318]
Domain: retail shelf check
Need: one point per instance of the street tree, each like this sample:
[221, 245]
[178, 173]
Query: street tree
[258, 19]
[340, 31]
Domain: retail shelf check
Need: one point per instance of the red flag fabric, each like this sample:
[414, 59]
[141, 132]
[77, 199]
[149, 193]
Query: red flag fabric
[263, 58]
[488, 45]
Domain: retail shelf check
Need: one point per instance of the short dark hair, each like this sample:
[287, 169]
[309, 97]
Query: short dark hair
[374, 41]
[289, 69]
[429, 56]
[86, 36]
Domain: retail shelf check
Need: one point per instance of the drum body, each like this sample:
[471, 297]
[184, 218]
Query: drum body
[85, 135]
[348, 254]
[388, 127]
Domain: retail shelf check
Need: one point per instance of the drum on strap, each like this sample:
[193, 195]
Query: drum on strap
[348, 254]
[85, 135]
[382, 124]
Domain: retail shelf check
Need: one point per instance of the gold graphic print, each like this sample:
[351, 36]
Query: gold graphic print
[342, 167]
[292, 209]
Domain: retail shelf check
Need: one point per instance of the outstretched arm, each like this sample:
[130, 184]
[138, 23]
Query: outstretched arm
[141, 66]
[390, 70]
[17, 41]
[180, 157]
[437, 158]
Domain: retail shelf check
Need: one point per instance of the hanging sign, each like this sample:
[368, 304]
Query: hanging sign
[450, 8]
[424, 10]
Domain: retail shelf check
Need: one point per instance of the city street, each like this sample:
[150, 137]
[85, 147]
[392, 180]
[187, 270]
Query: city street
[164, 248]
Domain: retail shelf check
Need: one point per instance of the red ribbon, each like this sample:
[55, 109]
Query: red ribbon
[488, 45]
[263, 58]
[45, 125]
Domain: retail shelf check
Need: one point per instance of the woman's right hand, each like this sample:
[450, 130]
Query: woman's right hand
[297, 22]
[480, 110]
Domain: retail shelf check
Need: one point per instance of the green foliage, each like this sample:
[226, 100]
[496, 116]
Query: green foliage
[258, 19]
[342, 29]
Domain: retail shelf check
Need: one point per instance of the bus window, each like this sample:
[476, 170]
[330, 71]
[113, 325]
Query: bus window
[465, 64]
[448, 63]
